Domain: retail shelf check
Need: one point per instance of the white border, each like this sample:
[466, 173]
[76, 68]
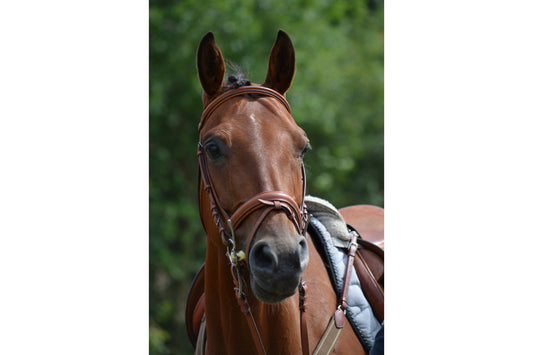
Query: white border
[458, 177]
[74, 180]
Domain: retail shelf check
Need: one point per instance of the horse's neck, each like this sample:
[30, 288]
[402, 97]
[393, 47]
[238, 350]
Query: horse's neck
[227, 327]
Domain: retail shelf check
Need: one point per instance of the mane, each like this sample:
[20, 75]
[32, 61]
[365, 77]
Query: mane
[237, 79]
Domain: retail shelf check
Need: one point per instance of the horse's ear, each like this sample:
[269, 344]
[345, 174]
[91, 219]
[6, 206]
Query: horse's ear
[281, 65]
[210, 65]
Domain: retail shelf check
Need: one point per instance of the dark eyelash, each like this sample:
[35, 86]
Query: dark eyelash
[305, 150]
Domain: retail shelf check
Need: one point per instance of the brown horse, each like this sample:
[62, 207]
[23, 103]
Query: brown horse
[251, 192]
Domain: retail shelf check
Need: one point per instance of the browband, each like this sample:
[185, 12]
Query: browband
[243, 90]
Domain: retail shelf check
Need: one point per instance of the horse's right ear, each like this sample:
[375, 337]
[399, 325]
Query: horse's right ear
[210, 65]
[281, 65]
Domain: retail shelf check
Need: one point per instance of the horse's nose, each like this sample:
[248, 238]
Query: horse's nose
[267, 257]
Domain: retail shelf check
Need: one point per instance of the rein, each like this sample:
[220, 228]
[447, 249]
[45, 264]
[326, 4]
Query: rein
[268, 201]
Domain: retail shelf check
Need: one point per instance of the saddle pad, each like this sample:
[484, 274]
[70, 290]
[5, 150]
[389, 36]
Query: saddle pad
[359, 312]
[331, 218]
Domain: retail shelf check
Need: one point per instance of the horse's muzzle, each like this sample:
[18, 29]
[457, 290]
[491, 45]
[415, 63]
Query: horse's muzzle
[276, 266]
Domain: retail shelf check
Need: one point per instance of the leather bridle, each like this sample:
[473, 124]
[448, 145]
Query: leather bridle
[267, 201]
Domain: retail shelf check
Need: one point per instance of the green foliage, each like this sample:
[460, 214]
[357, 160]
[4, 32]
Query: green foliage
[337, 97]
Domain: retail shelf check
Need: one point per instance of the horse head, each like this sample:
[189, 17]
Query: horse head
[252, 185]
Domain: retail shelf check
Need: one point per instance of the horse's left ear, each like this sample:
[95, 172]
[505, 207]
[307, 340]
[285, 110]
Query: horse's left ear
[281, 65]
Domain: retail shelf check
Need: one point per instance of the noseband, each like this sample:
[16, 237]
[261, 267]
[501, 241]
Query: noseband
[267, 200]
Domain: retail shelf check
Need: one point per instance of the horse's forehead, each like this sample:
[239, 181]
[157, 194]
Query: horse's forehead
[256, 118]
[259, 107]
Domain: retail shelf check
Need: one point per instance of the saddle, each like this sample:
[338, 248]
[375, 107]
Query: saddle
[331, 235]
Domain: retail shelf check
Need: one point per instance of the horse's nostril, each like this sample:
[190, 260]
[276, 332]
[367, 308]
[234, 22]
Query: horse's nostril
[302, 245]
[303, 253]
[263, 257]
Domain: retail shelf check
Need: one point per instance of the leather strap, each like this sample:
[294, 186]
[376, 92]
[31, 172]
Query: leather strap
[270, 201]
[302, 288]
[277, 199]
[370, 286]
[343, 302]
[243, 90]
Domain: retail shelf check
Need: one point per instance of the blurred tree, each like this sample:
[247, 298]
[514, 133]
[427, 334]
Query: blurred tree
[337, 97]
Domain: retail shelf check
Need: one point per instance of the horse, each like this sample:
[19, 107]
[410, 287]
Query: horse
[251, 188]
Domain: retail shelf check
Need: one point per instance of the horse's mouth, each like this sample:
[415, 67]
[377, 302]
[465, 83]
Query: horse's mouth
[270, 295]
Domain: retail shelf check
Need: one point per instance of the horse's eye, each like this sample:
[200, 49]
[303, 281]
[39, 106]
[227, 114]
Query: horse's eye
[305, 150]
[212, 150]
